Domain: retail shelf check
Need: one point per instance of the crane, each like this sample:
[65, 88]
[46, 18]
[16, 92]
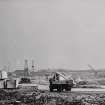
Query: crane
[94, 71]
[25, 79]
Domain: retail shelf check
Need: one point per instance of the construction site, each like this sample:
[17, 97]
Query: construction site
[52, 52]
[52, 87]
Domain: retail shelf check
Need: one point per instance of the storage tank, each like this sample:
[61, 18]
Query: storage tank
[10, 84]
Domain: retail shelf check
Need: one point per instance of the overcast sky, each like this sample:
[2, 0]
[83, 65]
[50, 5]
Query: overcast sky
[55, 33]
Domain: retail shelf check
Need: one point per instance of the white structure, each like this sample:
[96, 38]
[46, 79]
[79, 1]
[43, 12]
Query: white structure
[3, 75]
[17, 82]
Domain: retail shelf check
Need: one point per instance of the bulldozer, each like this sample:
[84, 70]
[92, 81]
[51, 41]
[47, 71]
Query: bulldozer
[60, 82]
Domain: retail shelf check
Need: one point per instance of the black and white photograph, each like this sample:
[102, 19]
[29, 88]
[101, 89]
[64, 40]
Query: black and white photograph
[52, 52]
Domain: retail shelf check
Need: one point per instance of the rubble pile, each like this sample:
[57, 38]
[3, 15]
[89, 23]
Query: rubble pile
[92, 99]
[48, 98]
[4, 95]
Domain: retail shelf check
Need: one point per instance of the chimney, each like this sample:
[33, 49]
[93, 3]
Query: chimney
[26, 68]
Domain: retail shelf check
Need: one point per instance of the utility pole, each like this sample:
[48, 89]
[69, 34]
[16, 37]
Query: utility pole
[33, 67]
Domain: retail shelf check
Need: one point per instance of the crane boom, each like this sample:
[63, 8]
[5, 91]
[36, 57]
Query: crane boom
[91, 67]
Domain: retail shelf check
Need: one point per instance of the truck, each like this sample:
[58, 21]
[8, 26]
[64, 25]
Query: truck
[59, 82]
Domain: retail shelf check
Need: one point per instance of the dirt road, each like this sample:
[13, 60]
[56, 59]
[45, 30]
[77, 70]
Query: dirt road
[81, 90]
[84, 90]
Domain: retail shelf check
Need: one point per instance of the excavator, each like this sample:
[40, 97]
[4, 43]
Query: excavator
[60, 82]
